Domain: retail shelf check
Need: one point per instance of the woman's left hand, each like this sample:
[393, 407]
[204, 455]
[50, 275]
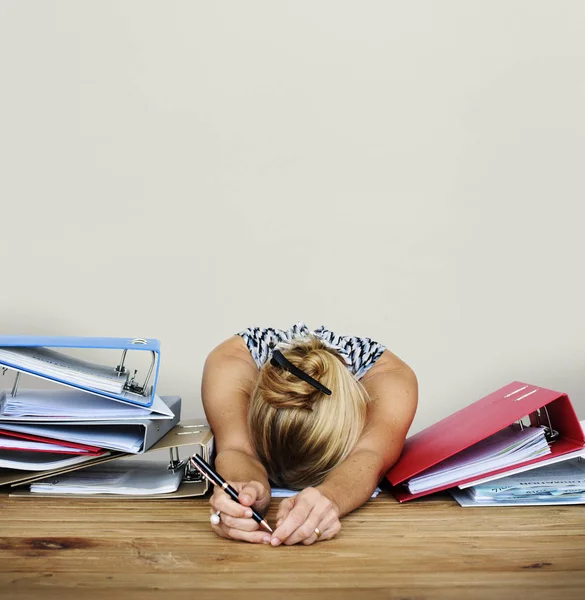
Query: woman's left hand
[303, 517]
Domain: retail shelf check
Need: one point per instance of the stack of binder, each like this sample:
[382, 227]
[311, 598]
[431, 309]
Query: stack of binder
[516, 429]
[86, 414]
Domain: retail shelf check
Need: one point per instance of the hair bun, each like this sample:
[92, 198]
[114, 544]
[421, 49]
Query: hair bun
[282, 389]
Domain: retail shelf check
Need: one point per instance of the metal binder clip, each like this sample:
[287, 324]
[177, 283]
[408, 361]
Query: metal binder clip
[535, 421]
[132, 385]
[175, 462]
[521, 425]
[550, 433]
[15, 384]
[190, 474]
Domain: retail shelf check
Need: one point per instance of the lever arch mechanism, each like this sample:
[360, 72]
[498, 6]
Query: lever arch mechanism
[16, 381]
[131, 385]
[190, 473]
[536, 420]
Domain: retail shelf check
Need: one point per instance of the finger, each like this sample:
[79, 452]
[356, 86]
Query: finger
[297, 516]
[225, 504]
[219, 530]
[305, 530]
[222, 502]
[320, 515]
[284, 509]
[250, 493]
[253, 537]
[329, 522]
[243, 524]
[328, 531]
[312, 539]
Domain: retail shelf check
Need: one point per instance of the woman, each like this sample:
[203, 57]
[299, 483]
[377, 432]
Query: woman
[308, 410]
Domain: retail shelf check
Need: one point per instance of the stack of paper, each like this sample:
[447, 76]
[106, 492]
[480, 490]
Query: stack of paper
[502, 449]
[74, 405]
[56, 365]
[25, 450]
[8, 443]
[41, 461]
[286, 493]
[129, 478]
[562, 483]
[13, 440]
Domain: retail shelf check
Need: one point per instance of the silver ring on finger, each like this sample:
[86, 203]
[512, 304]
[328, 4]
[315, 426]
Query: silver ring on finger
[215, 518]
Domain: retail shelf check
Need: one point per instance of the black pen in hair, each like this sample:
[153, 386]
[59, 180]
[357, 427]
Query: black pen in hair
[218, 480]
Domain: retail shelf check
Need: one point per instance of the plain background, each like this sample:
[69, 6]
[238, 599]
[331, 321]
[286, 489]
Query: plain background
[408, 171]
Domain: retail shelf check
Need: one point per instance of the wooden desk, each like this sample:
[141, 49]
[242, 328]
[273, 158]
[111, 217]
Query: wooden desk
[57, 549]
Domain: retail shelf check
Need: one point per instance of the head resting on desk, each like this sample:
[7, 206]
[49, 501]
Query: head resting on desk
[298, 432]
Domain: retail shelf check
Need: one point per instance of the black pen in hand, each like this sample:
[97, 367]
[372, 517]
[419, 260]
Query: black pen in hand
[218, 480]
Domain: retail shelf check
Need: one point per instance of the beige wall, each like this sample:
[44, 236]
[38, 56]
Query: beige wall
[411, 171]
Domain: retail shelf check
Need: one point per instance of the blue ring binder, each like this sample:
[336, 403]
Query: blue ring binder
[132, 393]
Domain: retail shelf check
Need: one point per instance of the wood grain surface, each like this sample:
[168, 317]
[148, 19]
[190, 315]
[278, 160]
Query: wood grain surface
[64, 548]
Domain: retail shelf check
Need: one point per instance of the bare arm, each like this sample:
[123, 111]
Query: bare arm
[393, 390]
[229, 377]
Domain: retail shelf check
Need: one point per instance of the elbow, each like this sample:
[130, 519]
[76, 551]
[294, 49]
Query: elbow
[376, 463]
[380, 463]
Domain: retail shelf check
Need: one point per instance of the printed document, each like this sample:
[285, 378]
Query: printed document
[57, 365]
[504, 448]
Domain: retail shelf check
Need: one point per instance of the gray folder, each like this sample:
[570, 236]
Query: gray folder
[149, 431]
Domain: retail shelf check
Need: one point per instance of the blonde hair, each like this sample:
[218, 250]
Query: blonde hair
[298, 432]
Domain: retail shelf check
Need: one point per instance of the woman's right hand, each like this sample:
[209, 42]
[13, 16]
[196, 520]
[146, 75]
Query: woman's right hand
[236, 521]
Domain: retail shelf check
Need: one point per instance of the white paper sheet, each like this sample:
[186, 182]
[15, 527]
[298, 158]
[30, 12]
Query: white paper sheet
[543, 463]
[465, 500]
[39, 461]
[287, 493]
[121, 478]
[11, 443]
[74, 405]
[507, 447]
[51, 363]
[566, 477]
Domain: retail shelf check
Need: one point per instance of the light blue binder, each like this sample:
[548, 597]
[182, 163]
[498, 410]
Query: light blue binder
[133, 392]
